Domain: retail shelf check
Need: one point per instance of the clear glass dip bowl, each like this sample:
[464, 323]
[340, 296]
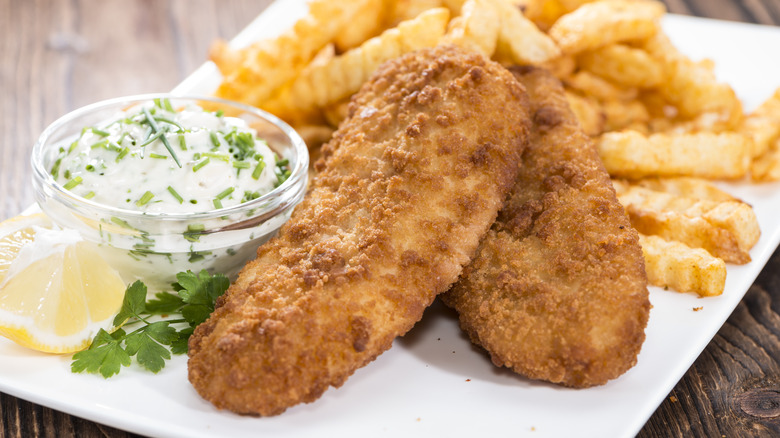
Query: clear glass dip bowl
[153, 247]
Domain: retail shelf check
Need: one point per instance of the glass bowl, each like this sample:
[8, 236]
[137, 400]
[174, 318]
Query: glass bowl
[153, 247]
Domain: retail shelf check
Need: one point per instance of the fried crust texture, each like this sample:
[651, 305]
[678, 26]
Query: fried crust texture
[557, 290]
[410, 182]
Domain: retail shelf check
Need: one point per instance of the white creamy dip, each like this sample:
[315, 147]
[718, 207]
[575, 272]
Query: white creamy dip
[157, 159]
[165, 175]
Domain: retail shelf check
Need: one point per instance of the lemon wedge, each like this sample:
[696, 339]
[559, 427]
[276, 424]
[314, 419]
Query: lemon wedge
[56, 291]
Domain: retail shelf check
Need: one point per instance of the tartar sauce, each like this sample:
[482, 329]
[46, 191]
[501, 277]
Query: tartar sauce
[158, 159]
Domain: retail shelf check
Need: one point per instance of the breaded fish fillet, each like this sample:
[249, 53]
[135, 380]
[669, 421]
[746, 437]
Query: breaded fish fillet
[557, 290]
[411, 181]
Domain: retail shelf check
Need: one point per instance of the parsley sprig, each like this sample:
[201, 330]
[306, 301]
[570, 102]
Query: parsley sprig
[175, 318]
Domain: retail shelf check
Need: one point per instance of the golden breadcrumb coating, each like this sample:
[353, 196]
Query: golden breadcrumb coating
[557, 290]
[410, 182]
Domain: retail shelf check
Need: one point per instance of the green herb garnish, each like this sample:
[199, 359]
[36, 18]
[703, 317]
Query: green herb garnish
[154, 342]
[282, 171]
[99, 132]
[122, 154]
[145, 198]
[156, 129]
[200, 164]
[217, 155]
[153, 138]
[73, 183]
[196, 227]
[182, 142]
[193, 232]
[225, 192]
[258, 170]
[175, 194]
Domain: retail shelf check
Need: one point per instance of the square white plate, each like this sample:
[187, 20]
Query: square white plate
[433, 382]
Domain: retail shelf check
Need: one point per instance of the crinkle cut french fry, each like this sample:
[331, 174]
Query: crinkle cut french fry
[344, 74]
[271, 63]
[397, 11]
[682, 268]
[561, 67]
[369, 23]
[696, 188]
[766, 167]
[734, 216]
[726, 229]
[590, 84]
[630, 154]
[542, 12]
[476, 27]
[601, 23]
[623, 65]
[692, 87]
[621, 114]
[588, 112]
[227, 59]
[454, 6]
[520, 40]
[764, 124]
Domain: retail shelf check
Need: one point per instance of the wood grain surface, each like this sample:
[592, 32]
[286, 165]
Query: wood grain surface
[58, 55]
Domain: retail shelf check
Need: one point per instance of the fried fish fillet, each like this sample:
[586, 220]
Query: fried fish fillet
[557, 290]
[411, 181]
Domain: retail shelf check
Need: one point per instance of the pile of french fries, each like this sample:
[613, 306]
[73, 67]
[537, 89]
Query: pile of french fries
[662, 122]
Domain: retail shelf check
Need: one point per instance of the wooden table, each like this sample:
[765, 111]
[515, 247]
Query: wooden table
[56, 56]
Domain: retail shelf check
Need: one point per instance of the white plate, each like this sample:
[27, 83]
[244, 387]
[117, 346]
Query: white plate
[433, 382]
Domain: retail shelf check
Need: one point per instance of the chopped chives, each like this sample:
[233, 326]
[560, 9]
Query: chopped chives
[249, 196]
[200, 164]
[225, 192]
[153, 155]
[218, 156]
[89, 195]
[122, 154]
[90, 168]
[194, 228]
[101, 144]
[175, 194]
[241, 165]
[145, 198]
[182, 142]
[72, 183]
[99, 132]
[168, 121]
[258, 170]
[167, 105]
[55, 170]
[214, 139]
[219, 113]
[153, 138]
[164, 139]
[73, 146]
[217, 204]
